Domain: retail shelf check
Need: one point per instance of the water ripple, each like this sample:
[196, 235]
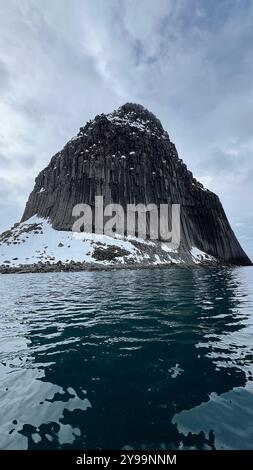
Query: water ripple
[152, 359]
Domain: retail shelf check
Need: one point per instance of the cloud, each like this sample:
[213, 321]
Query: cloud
[190, 62]
[4, 162]
[4, 77]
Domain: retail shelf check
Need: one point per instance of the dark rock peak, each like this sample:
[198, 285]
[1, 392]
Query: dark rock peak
[133, 112]
[130, 115]
[127, 157]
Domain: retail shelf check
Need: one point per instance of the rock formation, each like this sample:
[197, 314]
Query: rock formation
[127, 157]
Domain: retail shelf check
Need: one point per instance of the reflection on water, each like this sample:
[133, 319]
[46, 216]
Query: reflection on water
[151, 359]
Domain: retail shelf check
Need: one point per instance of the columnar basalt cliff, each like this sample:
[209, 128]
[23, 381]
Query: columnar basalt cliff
[127, 157]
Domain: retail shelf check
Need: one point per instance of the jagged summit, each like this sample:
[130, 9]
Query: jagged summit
[138, 110]
[132, 113]
[127, 157]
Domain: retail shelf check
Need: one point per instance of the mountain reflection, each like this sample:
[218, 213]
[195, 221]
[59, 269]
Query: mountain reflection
[142, 359]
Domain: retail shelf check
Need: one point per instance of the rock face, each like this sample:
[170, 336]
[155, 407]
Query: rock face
[127, 157]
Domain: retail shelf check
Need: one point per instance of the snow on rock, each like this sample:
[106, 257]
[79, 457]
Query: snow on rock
[200, 256]
[124, 116]
[168, 247]
[36, 241]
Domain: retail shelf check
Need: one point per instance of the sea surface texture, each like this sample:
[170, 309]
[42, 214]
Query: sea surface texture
[134, 359]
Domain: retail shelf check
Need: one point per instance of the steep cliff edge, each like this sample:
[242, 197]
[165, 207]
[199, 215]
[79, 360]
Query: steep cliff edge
[127, 157]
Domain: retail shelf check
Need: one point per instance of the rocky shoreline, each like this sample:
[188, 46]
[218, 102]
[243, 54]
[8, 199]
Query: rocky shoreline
[79, 266]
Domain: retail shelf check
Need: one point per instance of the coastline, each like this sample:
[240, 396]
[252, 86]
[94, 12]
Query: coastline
[79, 267]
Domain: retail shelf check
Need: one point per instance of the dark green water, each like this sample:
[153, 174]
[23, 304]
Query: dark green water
[129, 359]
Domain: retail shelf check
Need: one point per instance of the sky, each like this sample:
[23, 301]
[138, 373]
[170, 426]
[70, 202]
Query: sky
[190, 62]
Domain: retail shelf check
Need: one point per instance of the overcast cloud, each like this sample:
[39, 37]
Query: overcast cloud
[189, 61]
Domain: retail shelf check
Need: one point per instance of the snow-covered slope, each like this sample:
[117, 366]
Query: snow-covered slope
[36, 244]
[36, 241]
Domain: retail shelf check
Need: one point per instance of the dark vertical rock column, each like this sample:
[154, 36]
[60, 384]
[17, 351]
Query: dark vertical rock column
[127, 157]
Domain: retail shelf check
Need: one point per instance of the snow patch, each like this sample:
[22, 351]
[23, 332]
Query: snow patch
[168, 248]
[35, 241]
[199, 256]
[140, 124]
